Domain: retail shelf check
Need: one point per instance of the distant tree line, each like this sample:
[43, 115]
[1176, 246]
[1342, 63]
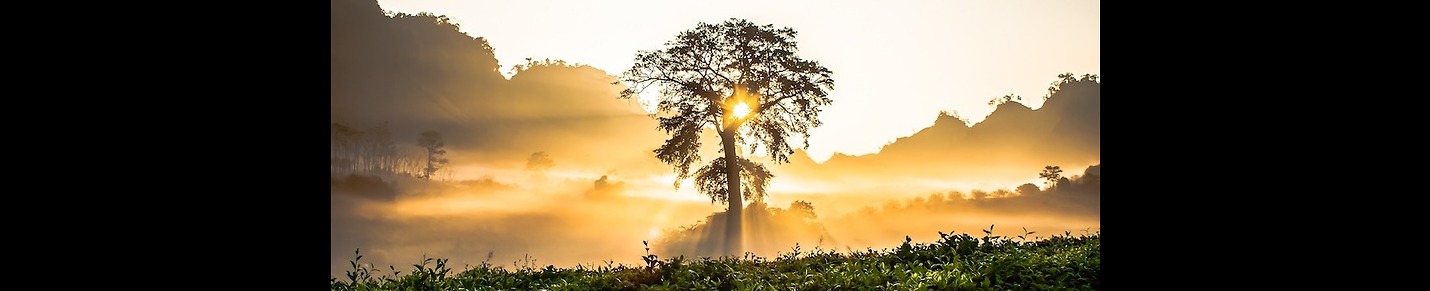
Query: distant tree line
[372, 151]
[1060, 190]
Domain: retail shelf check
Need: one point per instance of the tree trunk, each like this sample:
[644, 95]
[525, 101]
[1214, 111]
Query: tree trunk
[427, 172]
[732, 177]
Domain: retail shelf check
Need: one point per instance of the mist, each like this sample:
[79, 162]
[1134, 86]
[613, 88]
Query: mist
[414, 73]
[571, 222]
[1073, 205]
[598, 195]
[562, 223]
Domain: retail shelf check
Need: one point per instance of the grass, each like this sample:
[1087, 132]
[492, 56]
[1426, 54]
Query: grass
[954, 262]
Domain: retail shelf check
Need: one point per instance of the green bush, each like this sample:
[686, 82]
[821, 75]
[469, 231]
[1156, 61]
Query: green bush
[954, 262]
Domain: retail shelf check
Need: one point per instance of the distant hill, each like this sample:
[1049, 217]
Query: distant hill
[1014, 140]
[420, 72]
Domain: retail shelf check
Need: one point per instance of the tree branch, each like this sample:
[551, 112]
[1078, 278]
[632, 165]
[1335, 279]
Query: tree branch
[766, 105]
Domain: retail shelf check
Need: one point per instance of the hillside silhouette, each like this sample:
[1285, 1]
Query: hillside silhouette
[1011, 141]
[420, 72]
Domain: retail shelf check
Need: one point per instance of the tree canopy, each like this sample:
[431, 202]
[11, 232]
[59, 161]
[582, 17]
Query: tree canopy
[707, 72]
[744, 81]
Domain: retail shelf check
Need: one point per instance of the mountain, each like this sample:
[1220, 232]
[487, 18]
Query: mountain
[420, 72]
[1013, 143]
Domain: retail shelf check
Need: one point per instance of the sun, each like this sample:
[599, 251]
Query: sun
[741, 110]
[654, 232]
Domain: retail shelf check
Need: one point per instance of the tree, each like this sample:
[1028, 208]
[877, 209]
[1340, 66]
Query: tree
[539, 161]
[1005, 99]
[432, 142]
[369, 152]
[745, 82]
[344, 140]
[383, 150]
[1067, 78]
[979, 194]
[803, 208]
[1028, 189]
[1051, 174]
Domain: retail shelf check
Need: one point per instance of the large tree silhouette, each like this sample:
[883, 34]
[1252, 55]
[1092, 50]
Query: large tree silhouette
[742, 80]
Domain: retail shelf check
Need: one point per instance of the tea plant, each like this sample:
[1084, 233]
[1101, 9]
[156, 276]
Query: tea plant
[953, 262]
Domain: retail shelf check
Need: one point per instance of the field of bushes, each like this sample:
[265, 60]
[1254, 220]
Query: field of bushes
[953, 262]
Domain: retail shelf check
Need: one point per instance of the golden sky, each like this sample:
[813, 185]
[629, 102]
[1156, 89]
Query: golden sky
[896, 63]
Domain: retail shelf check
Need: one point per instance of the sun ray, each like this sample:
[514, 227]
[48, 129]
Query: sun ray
[741, 110]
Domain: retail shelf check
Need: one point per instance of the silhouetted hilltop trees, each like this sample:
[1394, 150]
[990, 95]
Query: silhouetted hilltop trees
[420, 72]
[399, 66]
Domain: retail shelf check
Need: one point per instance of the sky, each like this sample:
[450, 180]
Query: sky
[896, 64]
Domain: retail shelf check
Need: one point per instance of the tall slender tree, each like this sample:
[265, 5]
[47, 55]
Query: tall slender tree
[742, 80]
[384, 150]
[432, 142]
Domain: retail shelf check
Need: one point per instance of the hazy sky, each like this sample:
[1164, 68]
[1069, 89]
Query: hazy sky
[896, 63]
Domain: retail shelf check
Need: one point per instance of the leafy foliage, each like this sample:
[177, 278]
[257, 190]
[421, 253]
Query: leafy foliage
[1005, 99]
[711, 180]
[539, 161]
[1065, 79]
[1051, 174]
[432, 142]
[705, 72]
[954, 262]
